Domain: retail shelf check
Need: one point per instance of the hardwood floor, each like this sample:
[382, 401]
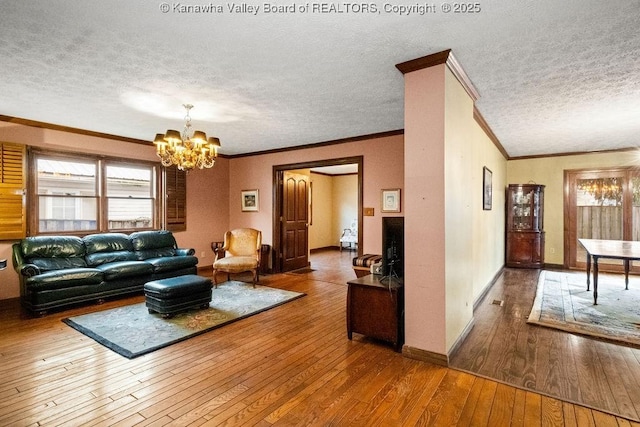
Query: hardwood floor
[503, 346]
[289, 366]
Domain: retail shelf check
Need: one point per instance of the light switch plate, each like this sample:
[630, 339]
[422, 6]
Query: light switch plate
[367, 211]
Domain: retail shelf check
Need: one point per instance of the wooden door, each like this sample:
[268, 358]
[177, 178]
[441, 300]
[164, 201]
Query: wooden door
[295, 221]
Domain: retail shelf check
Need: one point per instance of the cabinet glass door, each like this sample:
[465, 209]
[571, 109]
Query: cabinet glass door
[525, 209]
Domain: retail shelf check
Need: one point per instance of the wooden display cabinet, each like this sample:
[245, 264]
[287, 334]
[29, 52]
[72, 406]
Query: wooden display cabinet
[525, 232]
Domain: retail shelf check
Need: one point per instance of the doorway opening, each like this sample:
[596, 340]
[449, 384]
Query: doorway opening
[292, 214]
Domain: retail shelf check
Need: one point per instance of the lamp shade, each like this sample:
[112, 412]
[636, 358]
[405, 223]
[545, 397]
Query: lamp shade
[199, 136]
[159, 139]
[172, 136]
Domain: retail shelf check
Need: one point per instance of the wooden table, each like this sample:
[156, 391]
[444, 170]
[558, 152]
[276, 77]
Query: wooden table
[614, 249]
[376, 309]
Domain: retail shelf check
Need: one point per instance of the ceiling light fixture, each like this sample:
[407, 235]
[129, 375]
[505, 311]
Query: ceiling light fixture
[188, 150]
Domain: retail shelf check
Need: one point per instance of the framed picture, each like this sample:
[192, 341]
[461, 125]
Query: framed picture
[486, 189]
[250, 201]
[391, 200]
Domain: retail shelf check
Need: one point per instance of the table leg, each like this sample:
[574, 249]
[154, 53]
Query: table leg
[595, 280]
[626, 274]
[588, 270]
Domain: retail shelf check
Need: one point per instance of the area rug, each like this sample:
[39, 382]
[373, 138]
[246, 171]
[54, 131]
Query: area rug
[563, 302]
[131, 331]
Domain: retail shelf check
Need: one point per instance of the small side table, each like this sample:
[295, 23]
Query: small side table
[376, 309]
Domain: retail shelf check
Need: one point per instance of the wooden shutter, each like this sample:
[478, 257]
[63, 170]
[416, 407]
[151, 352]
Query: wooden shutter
[176, 189]
[13, 224]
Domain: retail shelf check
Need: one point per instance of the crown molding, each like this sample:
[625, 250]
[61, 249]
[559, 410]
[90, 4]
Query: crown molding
[444, 57]
[487, 129]
[321, 144]
[51, 126]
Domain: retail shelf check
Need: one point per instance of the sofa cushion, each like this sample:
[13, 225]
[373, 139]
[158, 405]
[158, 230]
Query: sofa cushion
[153, 244]
[155, 253]
[164, 264]
[61, 279]
[146, 240]
[48, 264]
[52, 246]
[94, 260]
[107, 242]
[120, 269]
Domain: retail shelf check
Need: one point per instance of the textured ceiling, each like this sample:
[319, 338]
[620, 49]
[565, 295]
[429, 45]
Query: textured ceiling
[553, 76]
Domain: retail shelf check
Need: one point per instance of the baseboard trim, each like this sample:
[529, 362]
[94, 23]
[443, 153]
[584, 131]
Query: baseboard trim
[554, 266]
[437, 358]
[487, 288]
[206, 269]
[326, 248]
[463, 336]
[425, 356]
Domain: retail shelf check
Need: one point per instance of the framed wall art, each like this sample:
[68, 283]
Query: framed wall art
[250, 201]
[391, 200]
[486, 189]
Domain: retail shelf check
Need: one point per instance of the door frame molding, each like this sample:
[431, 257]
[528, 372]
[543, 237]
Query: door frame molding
[277, 198]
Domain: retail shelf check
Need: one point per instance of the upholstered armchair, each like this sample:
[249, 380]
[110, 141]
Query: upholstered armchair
[350, 236]
[240, 253]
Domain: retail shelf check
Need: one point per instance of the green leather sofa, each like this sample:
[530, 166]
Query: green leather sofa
[57, 271]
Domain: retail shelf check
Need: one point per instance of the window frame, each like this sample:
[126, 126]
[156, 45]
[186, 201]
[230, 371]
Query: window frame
[102, 219]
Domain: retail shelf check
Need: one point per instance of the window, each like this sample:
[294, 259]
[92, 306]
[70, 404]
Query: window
[82, 194]
[67, 195]
[130, 197]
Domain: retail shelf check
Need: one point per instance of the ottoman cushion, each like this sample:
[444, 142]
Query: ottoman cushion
[175, 287]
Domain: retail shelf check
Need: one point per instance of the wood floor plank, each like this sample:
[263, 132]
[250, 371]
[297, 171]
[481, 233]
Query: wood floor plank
[533, 409]
[571, 367]
[502, 408]
[293, 365]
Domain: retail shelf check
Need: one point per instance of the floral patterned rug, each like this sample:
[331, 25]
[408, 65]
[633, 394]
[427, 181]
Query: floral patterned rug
[563, 302]
[131, 331]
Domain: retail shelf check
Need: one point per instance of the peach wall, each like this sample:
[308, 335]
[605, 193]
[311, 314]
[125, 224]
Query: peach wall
[453, 248]
[207, 190]
[424, 206]
[383, 168]
[207, 210]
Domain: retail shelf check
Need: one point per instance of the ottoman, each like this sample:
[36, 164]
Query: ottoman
[170, 296]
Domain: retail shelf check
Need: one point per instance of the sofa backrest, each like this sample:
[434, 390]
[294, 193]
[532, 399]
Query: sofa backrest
[153, 244]
[108, 247]
[53, 252]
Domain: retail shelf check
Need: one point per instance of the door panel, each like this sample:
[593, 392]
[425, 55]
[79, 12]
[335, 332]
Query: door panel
[295, 221]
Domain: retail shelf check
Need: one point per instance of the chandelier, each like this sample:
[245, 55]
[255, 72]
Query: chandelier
[605, 191]
[188, 150]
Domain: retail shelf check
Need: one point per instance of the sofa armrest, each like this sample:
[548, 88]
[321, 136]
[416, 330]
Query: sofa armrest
[19, 263]
[29, 270]
[185, 251]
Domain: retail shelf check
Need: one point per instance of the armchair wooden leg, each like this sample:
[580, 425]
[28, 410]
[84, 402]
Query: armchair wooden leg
[215, 282]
